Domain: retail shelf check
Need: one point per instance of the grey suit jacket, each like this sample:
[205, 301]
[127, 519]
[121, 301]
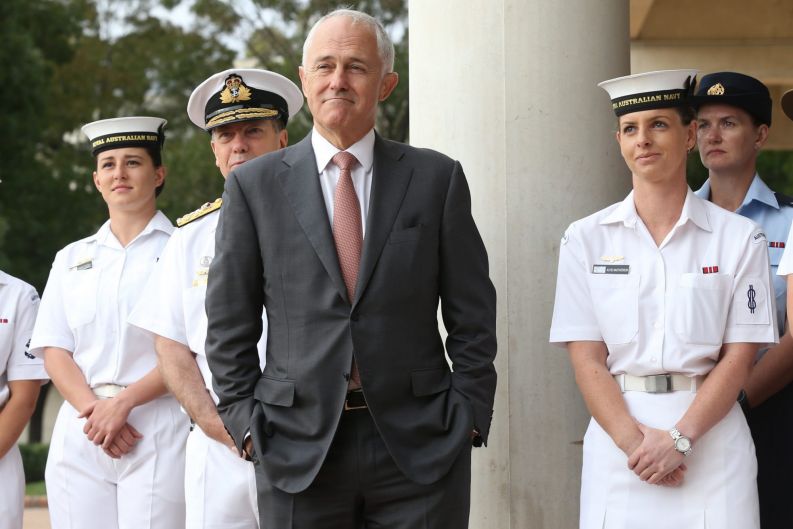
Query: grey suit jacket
[274, 248]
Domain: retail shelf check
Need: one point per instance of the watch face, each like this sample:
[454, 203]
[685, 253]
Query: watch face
[683, 444]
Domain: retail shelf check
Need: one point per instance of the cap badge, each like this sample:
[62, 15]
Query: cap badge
[235, 90]
[716, 90]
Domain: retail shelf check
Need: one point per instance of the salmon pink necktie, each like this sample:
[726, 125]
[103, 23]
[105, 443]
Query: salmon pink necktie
[347, 233]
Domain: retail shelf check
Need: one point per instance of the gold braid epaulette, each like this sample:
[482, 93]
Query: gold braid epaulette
[209, 207]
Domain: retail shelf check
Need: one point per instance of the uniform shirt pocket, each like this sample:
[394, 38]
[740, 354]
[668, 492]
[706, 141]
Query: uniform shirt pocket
[80, 291]
[615, 298]
[700, 307]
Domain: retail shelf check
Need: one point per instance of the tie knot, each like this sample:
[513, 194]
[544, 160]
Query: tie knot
[344, 160]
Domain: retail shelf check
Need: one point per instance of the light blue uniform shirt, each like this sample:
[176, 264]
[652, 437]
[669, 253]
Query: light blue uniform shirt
[761, 205]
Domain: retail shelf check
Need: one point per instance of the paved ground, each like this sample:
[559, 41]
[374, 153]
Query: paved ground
[36, 518]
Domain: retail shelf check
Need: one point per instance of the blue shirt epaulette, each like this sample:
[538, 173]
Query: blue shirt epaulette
[209, 207]
[784, 200]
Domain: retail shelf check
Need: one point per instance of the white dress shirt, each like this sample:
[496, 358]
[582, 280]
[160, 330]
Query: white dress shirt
[93, 285]
[172, 304]
[363, 150]
[664, 308]
[18, 305]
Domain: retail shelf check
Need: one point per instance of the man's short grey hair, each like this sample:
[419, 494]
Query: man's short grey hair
[385, 47]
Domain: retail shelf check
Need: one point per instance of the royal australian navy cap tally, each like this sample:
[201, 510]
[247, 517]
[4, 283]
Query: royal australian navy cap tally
[243, 95]
[650, 90]
[117, 133]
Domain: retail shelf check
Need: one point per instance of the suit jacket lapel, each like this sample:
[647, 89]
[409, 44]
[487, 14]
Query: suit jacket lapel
[390, 178]
[301, 186]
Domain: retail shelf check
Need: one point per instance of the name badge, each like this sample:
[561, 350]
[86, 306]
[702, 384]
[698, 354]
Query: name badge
[611, 269]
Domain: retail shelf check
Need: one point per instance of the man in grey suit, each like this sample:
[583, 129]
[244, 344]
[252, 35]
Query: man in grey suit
[350, 241]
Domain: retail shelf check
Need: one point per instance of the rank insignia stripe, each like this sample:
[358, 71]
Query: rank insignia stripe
[611, 269]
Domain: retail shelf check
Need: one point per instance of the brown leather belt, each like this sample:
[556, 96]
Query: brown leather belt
[355, 401]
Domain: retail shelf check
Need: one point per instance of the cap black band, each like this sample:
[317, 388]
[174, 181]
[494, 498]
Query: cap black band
[649, 100]
[126, 139]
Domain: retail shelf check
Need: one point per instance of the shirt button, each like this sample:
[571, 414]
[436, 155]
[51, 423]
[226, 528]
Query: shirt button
[657, 325]
[653, 359]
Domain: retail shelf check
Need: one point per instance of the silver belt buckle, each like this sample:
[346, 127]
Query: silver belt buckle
[658, 383]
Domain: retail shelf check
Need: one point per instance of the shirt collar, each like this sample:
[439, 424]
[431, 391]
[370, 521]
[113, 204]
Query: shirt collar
[694, 209]
[758, 191]
[159, 222]
[324, 151]
[3, 278]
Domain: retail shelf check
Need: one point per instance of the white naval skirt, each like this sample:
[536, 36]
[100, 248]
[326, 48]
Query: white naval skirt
[719, 489]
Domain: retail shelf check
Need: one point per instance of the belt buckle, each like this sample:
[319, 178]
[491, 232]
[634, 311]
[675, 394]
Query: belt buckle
[347, 406]
[658, 383]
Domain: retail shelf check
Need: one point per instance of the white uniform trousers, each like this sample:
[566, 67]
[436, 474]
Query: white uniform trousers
[719, 490]
[220, 487]
[144, 489]
[13, 489]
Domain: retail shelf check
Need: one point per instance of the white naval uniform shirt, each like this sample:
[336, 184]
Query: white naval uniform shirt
[361, 174]
[667, 308]
[93, 285]
[172, 304]
[18, 305]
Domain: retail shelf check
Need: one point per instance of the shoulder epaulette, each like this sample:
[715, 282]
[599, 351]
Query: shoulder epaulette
[784, 200]
[209, 207]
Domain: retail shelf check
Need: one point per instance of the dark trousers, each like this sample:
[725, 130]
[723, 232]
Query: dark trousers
[360, 487]
[772, 430]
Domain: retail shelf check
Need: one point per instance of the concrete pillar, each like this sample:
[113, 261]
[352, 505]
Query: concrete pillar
[508, 87]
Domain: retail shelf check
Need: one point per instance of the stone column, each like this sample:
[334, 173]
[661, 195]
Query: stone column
[508, 87]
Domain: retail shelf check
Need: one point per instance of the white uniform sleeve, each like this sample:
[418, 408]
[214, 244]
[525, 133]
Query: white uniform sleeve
[159, 309]
[574, 316]
[786, 263]
[751, 316]
[52, 328]
[21, 364]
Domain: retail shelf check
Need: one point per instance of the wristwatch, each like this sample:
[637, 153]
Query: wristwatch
[682, 443]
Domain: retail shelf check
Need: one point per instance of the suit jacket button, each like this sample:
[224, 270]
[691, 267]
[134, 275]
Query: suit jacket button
[354, 316]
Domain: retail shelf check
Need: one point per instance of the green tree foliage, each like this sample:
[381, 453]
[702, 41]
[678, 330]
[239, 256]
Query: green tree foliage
[102, 59]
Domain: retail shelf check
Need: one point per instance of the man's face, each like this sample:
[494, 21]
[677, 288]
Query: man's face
[727, 138]
[343, 80]
[236, 143]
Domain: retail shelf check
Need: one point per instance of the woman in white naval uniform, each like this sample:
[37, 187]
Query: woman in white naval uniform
[21, 376]
[115, 455]
[662, 301]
